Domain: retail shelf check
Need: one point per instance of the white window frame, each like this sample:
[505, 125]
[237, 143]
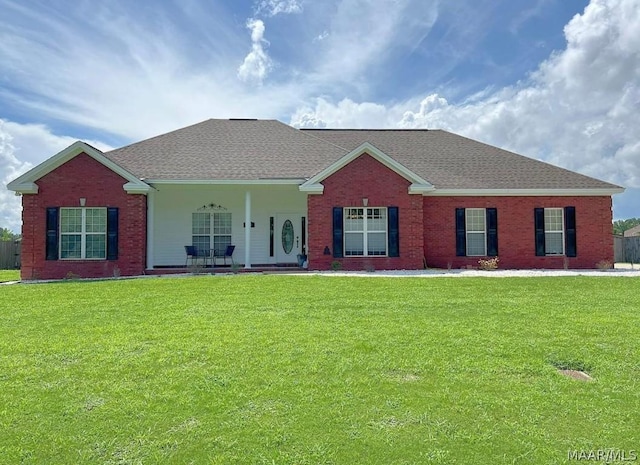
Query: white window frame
[561, 231]
[211, 230]
[83, 233]
[365, 231]
[216, 234]
[468, 232]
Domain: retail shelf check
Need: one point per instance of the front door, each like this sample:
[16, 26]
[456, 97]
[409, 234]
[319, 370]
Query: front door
[289, 236]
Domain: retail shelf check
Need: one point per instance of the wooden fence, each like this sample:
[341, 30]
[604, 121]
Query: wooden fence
[9, 255]
[626, 249]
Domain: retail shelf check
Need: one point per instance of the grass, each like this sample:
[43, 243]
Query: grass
[318, 370]
[9, 275]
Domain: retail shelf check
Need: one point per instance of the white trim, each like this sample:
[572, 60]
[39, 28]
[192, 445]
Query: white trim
[23, 184]
[421, 189]
[260, 182]
[136, 188]
[23, 188]
[151, 205]
[554, 231]
[483, 232]
[524, 192]
[418, 186]
[247, 229]
[365, 232]
[315, 188]
[83, 233]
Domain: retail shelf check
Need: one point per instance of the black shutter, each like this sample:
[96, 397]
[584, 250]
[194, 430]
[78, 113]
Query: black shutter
[570, 249]
[461, 233]
[492, 232]
[52, 234]
[112, 233]
[538, 219]
[337, 232]
[394, 233]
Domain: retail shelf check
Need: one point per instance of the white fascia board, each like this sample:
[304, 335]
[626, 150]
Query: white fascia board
[78, 147]
[376, 153]
[312, 188]
[423, 189]
[23, 188]
[524, 192]
[136, 188]
[239, 182]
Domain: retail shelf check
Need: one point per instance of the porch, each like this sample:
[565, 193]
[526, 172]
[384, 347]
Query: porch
[265, 222]
[259, 268]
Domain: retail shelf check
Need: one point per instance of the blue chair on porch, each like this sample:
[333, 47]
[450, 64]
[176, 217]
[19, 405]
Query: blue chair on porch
[196, 253]
[229, 253]
[192, 254]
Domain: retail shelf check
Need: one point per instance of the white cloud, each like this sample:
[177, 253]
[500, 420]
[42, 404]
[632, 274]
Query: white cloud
[579, 110]
[276, 7]
[12, 167]
[362, 35]
[323, 35]
[257, 63]
[345, 114]
[119, 81]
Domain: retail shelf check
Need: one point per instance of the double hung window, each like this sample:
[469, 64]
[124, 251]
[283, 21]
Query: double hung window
[365, 231]
[211, 231]
[476, 232]
[83, 233]
[555, 231]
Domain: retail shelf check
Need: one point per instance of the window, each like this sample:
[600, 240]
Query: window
[83, 233]
[476, 232]
[365, 231]
[553, 231]
[211, 230]
[201, 230]
[221, 232]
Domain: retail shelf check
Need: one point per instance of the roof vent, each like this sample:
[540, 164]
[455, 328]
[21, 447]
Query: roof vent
[243, 119]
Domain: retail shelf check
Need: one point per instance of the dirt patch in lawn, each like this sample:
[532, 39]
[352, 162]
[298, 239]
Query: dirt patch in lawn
[576, 374]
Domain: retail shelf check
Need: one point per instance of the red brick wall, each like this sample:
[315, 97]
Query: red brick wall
[516, 245]
[83, 176]
[365, 177]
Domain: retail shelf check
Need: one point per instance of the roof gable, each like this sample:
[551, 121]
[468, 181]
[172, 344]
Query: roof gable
[418, 184]
[456, 165]
[26, 184]
[229, 151]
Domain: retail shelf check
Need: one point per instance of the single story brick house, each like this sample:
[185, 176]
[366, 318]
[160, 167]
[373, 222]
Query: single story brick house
[382, 199]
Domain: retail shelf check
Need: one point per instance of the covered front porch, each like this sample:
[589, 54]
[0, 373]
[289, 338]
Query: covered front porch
[267, 224]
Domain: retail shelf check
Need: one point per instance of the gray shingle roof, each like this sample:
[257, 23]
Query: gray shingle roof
[450, 161]
[268, 149]
[228, 149]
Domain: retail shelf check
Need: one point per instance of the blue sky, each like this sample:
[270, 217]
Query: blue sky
[557, 80]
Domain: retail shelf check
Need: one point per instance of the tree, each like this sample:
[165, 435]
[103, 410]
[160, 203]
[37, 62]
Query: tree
[8, 235]
[620, 226]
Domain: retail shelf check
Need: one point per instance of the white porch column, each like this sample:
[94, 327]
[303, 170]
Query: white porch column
[150, 221]
[247, 229]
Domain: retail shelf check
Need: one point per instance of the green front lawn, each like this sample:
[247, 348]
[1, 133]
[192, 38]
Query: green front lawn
[9, 275]
[318, 370]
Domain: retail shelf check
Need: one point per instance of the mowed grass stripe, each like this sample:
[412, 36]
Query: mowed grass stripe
[313, 369]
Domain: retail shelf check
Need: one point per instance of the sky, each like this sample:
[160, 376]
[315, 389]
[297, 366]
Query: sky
[556, 80]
